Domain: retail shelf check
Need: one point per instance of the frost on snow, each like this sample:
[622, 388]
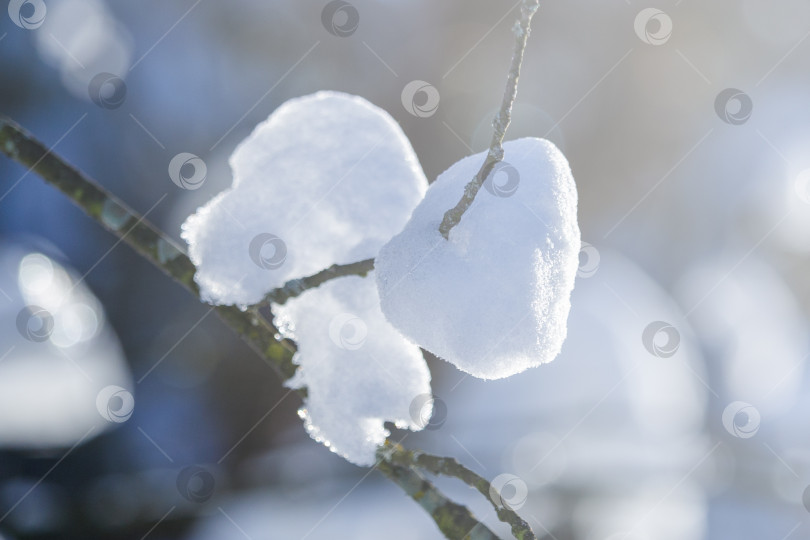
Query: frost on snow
[358, 370]
[327, 178]
[494, 298]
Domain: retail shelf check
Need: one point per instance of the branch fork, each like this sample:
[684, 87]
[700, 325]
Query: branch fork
[401, 466]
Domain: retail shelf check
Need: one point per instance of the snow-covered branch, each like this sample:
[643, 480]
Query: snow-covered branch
[401, 466]
[501, 122]
[131, 228]
[296, 287]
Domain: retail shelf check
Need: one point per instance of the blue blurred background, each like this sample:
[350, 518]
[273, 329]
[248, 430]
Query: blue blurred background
[694, 201]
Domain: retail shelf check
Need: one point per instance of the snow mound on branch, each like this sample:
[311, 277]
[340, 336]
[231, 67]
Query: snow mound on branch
[327, 178]
[493, 299]
[358, 370]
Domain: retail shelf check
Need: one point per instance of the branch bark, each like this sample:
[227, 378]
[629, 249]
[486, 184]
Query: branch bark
[151, 243]
[500, 124]
[454, 520]
[295, 287]
[450, 467]
[158, 248]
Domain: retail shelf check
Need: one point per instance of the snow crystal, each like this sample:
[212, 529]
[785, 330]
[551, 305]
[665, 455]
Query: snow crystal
[327, 178]
[358, 370]
[494, 298]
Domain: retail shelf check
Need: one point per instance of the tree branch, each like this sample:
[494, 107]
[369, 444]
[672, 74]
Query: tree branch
[454, 520]
[145, 238]
[450, 467]
[501, 122]
[295, 287]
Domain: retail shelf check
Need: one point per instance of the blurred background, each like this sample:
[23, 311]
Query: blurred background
[680, 406]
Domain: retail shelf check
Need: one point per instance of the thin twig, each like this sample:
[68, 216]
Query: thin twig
[295, 287]
[145, 238]
[454, 520]
[450, 467]
[156, 247]
[501, 122]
